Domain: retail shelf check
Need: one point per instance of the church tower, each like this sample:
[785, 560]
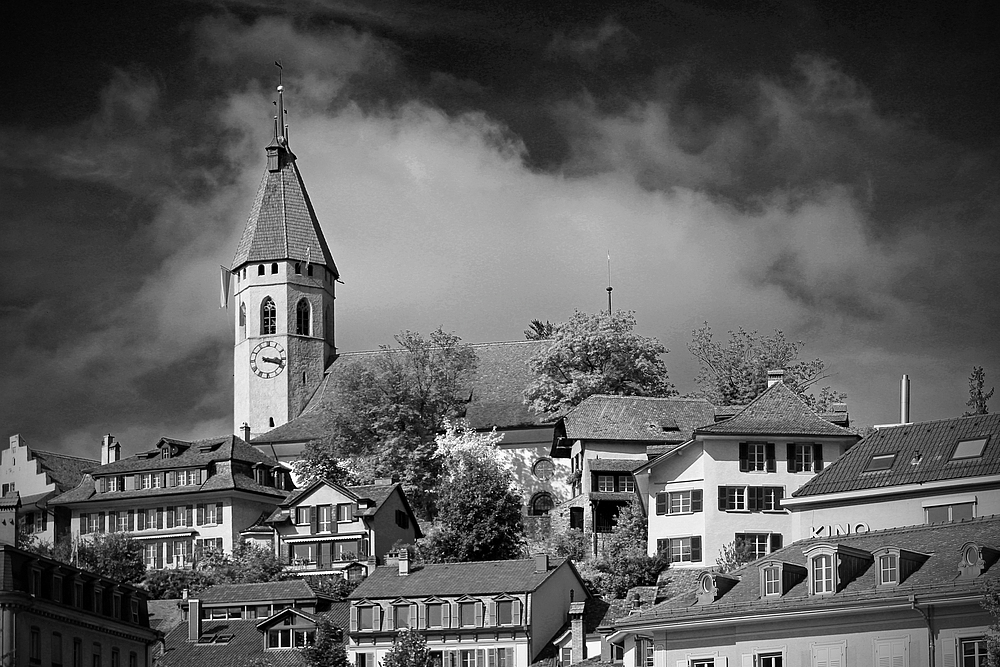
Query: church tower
[284, 291]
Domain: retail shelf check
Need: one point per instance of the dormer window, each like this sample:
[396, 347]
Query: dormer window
[771, 586]
[822, 574]
[165, 452]
[888, 569]
[833, 566]
[969, 449]
[976, 559]
[712, 586]
[880, 462]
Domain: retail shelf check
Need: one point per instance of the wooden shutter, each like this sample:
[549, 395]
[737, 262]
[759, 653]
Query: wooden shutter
[170, 552]
[661, 502]
[491, 657]
[744, 463]
[790, 457]
[170, 516]
[510, 657]
[390, 621]
[723, 499]
[140, 520]
[314, 519]
[101, 526]
[201, 515]
[455, 618]
[325, 554]
[769, 455]
[189, 515]
[479, 614]
[491, 614]
[779, 495]
[83, 524]
[159, 555]
[159, 517]
[421, 616]
[446, 615]
[755, 498]
[413, 615]
[131, 520]
[286, 553]
[354, 618]
[947, 653]
[515, 612]
[112, 521]
[696, 549]
[817, 457]
[218, 513]
[480, 658]
[776, 541]
[696, 500]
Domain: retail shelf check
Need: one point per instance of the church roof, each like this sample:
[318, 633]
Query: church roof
[777, 411]
[495, 393]
[282, 222]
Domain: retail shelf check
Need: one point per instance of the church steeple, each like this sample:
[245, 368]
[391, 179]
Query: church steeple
[285, 291]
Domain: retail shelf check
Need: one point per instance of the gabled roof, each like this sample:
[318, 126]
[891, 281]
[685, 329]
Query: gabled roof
[282, 222]
[495, 395]
[937, 574]
[923, 454]
[273, 591]
[62, 470]
[607, 417]
[446, 579]
[614, 465]
[777, 411]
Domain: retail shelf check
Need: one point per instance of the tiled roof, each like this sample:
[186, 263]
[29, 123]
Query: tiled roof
[604, 417]
[612, 496]
[165, 615]
[495, 394]
[482, 578]
[282, 222]
[941, 542]
[614, 465]
[218, 449]
[376, 493]
[64, 471]
[274, 591]
[777, 411]
[929, 444]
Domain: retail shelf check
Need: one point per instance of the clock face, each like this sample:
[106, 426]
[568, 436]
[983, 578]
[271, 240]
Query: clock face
[267, 359]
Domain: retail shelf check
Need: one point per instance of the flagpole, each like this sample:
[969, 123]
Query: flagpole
[609, 283]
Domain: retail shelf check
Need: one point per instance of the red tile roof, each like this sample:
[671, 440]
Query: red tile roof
[923, 454]
[777, 411]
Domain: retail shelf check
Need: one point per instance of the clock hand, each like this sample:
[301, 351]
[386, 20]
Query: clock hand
[271, 360]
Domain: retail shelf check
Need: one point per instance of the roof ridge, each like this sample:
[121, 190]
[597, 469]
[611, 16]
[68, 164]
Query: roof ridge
[934, 421]
[59, 454]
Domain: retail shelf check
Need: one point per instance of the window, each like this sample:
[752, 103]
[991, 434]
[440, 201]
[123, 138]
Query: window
[260, 269]
[772, 581]
[505, 612]
[576, 518]
[366, 618]
[302, 318]
[279, 639]
[243, 320]
[759, 544]
[77, 652]
[435, 615]
[702, 662]
[402, 519]
[57, 649]
[303, 638]
[133, 659]
[298, 269]
[750, 498]
[150, 554]
[732, 498]
[365, 660]
[268, 317]
[829, 655]
[467, 614]
[543, 469]
[679, 502]
[325, 522]
[949, 513]
[541, 504]
[124, 521]
[646, 654]
[891, 652]
[274, 268]
[969, 449]
[822, 574]
[302, 516]
[972, 652]
[95, 655]
[880, 462]
[35, 645]
[309, 269]
[805, 457]
[888, 569]
[8, 488]
[757, 457]
[626, 484]
[401, 616]
[768, 660]
[681, 549]
[116, 657]
[606, 483]
[566, 656]
[345, 512]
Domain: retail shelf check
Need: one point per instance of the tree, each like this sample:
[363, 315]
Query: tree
[248, 564]
[539, 330]
[625, 563]
[113, 555]
[327, 649]
[736, 373]
[479, 509]
[389, 407]
[977, 397]
[596, 354]
[169, 584]
[735, 555]
[409, 649]
[991, 603]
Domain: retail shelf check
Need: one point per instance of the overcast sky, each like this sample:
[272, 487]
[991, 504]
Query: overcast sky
[828, 169]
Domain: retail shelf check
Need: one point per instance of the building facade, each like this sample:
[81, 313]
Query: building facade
[727, 485]
[178, 498]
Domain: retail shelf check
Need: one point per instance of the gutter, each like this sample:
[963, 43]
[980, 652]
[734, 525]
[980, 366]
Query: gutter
[927, 615]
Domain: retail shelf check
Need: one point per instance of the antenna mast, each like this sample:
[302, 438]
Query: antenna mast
[609, 283]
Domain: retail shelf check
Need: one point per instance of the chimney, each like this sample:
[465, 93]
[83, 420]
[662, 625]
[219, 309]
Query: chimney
[8, 518]
[404, 562]
[194, 619]
[904, 400]
[16, 441]
[110, 450]
[383, 481]
[246, 431]
[578, 640]
[775, 376]
[541, 563]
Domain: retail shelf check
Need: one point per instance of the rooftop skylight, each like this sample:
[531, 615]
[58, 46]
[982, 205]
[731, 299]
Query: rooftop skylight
[969, 449]
[881, 462]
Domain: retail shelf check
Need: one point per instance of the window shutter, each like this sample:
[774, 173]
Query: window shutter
[696, 500]
[170, 517]
[100, 522]
[189, 515]
[775, 541]
[136, 483]
[140, 520]
[286, 553]
[159, 555]
[779, 495]
[131, 520]
[817, 457]
[755, 498]
[661, 503]
[480, 658]
[113, 521]
[491, 614]
[723, 506]
[479, 614]
[744, 463]
[218, 513]
[947, 653]
[170, 552]
[510, 657]
[390, 621]
[421, 616]
[83, 524]
[769, 455]
[515, 612]
[45, 519]
[456, 619]
[326, 554]
[104, 485]
[790, 457]
[354, 619]
[159, 517]
[446, 615]
[201, 515]
[491, 657]
[314, 519]
[696, 549]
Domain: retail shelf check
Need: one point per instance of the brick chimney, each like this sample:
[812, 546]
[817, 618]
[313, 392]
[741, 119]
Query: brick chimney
[578, 641]
[775, 376]
[111, 450]
[194, 619]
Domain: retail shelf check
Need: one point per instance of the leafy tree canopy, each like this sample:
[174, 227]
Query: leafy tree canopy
[480, 508]
[248, 564]
[539, 330]
[388, 411]
[978, 398]
[596, 354]
[991, 603]
[735, 373]
[409, 649]
[327, 650]
[625, 563]
[113, 555]
[735, 555]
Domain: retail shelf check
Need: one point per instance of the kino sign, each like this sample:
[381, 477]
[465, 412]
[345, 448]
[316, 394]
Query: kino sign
[839, 529]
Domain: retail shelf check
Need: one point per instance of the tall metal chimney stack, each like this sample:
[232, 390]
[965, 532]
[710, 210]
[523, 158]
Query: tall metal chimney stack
[904, 400]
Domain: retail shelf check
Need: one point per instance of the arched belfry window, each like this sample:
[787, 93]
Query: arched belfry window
[268, 317]
[302, 317]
